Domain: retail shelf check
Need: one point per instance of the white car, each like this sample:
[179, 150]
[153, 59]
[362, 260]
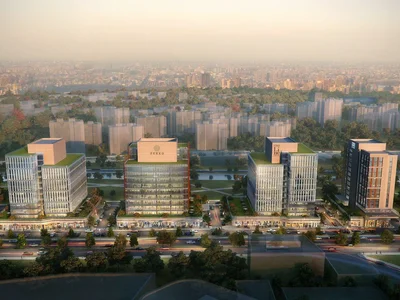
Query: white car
[195, 231]
[191, 242]
[89, 230]
[33, 245]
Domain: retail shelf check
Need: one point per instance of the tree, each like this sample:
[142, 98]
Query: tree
[207, 219]
[88, 164]
[304, 276]
[211, 177]
[110, 232]
[153, 260]
[96, 261]
[118, 174]
[237, 239]
[197, 184]
[112, 193]
[140, 265]
[133, 240]
[98, 176]
[117, 253]
[112, 220]
[257, 230]
[62, 243]
[91, 221]
[205, 241]
[355, 239]
[210, 169]
[311, 235]
[8, 270]
[178, 232]
[166, 238]
[152, 233]
[387, 236]
[46, 240]
[71, 233]
[281, 230]
[10, 234]
[21, 241]
[90, 240]
[1, 243]
[72, 264]
[237, 185]
[341, 239]
[177, 264]
[44, 232]
[34, 270]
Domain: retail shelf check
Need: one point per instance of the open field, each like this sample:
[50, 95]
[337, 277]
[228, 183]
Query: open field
[119, 192]
[215, 184]
[391, 259]
[106, 181]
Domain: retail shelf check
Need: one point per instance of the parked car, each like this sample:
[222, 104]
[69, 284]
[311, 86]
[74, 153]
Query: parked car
[380, 263]
[331, 249]
[139, 248]
[190, 242]
[27, 253]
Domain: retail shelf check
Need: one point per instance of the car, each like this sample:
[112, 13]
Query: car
[363, 238]
[27, 253]
[380, 263]
[108, 245]
[41, 252]
[194, 231]
[33, 245]
[350, 245]
[139, 248]
[88, 230]
[89, 252]
[190, 242]
[164, 248]
[331, 249]
[128, 235]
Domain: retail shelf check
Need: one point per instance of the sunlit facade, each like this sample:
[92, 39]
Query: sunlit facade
[157, 178]
[44, 180]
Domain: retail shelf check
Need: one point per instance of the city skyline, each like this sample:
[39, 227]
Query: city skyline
[172, 31]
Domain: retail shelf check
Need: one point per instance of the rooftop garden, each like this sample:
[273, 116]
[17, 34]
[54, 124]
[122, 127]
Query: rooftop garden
[260, 158]
[303, 149]
[20, 152]
[68, 160]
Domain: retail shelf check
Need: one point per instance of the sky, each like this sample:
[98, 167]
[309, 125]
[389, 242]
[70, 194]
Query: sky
[202, 30]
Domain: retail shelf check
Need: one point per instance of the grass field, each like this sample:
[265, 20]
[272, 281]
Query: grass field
[345, 268]
[215, 184]
[107, 189]
[217, 162]
[391, 259]
[239, 207]
[210, 194]
[106, 181]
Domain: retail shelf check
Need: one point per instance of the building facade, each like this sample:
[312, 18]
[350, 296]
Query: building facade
[121, 135]
[72, 131]
[110, 115]
[44, 180]
[157, 177]
[212, 135]
[93, 135]
[283, 178]
[370, 177]
[154, 126]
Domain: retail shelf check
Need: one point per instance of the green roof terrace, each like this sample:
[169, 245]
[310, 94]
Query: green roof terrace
[179, 162]
[303, 149]
[67, 161]
[20, 152]
[260, 158]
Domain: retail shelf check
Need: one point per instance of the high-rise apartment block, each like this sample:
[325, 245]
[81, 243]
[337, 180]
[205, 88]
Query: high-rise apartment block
[72, 131]
[44, 180]
[93, 135]
[157, 177]
[181, 122]
[110, 115]
[370, 176]
[212, 135]
[155, 126]
[329, 109]
[121, 135]
[205, 80]
[283, 178]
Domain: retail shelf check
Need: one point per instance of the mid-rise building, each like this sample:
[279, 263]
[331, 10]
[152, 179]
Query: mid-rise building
[370, 177]
[72, 131]
[44, 180]
[110, 115]
[205, 80]
[212, 135]
[121, 135]
[93, 135]
[283, 178]
[181, 122]
[329, 109]
[154, 126]
[157, 177]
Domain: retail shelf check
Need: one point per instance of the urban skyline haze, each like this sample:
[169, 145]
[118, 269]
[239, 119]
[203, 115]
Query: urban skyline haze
[356, 31]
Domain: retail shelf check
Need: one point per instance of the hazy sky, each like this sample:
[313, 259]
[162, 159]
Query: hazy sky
[207, 30]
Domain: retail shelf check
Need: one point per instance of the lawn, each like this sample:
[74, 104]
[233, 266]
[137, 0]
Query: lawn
[391, 259]
[215, 184]
[218, 162]
[107, 189]
[210, 194]
[343, 268]
[106, 181]
[239, 208]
